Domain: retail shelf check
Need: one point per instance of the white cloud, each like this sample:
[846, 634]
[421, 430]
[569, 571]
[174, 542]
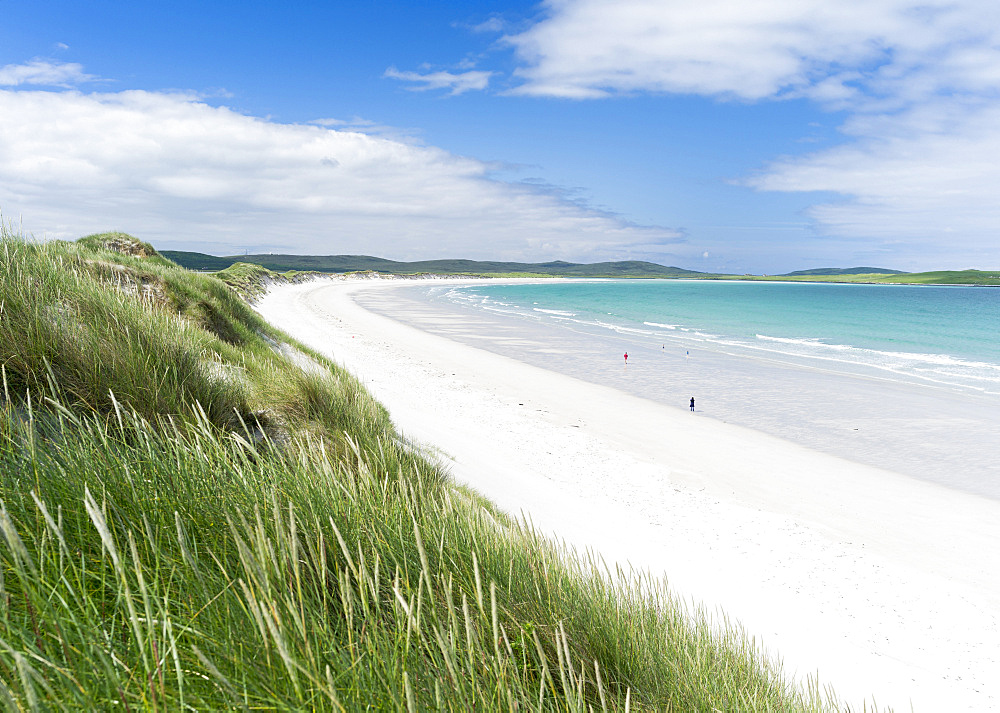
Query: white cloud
[495, 23]
[178, 172]
[356, 121]
[457, 83]
[749, 50]
[367, 126]
[918, 79]
[43, 72]
[928, 177]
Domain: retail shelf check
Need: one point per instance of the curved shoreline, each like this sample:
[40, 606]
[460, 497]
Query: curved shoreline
[942, 435]
[888, 586]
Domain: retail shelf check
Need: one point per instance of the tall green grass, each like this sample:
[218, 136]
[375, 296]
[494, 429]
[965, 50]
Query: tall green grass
[194, 522]
[161, 339]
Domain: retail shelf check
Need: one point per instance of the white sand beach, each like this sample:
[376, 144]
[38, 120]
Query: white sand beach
[886, 586]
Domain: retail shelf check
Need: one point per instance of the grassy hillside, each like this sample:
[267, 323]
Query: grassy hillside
[199, 261]
[943, 277]
[251, 281]
[946, 277]
[832, 271]
[354, 263]
[631, 268]
[198, 513]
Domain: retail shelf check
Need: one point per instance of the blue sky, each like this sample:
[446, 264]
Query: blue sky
[720, 135]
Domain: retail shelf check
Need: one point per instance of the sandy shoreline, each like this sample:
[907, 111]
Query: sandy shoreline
[926, 430]
[887, 586]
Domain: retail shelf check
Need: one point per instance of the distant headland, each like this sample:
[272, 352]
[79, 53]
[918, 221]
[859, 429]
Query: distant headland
[559, 268]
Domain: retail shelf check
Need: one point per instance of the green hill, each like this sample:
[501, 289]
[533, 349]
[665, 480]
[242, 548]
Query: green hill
[827, 271]
[356, 263]
[198, 261]
[947, 277]
[558, 268]
[942, 277]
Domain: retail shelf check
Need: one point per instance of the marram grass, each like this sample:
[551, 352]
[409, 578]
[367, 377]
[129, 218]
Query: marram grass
[188, 568]
[263, 539]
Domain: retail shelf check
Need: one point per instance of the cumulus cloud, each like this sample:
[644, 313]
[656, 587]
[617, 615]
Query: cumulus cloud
[748, 50]
[918, 79]
[181, 173]
[456, 83]
[44, 72]
[930, 175]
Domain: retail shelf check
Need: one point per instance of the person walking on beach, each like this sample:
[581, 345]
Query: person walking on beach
[692, 403]
[626, 358]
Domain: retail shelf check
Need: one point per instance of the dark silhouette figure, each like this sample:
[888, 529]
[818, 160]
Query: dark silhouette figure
[692, 403]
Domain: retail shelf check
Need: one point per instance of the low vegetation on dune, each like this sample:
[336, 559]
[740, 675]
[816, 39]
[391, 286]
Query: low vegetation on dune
[198, 513]
[251, 281]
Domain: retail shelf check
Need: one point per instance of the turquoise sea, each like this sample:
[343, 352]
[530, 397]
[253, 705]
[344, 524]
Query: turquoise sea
[905, 378]
[949, 336]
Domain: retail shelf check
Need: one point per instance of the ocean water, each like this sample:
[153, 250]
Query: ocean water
[947, 336]
[904, 378]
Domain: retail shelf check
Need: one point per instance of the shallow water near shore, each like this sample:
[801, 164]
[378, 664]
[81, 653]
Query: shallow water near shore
[906, 379]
